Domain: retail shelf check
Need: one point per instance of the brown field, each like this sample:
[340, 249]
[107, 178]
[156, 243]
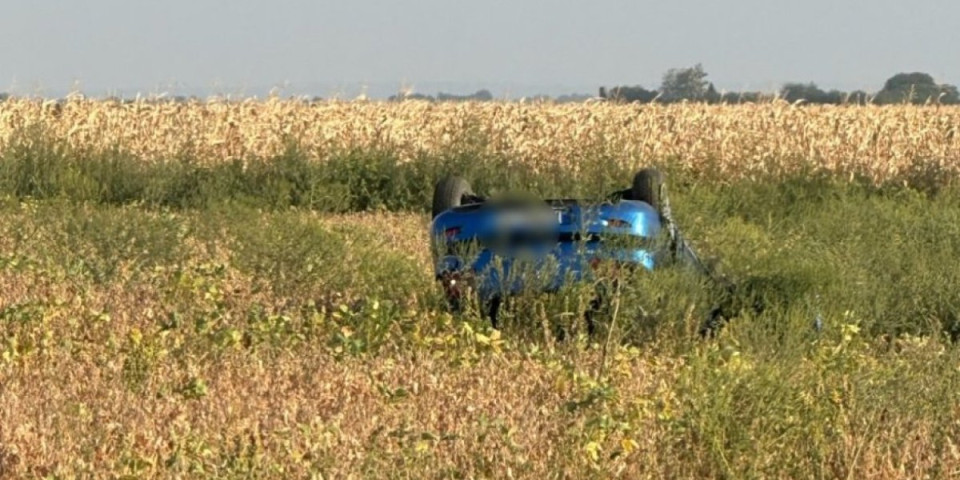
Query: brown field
[880, 143]
[277, 340]
[95, 382]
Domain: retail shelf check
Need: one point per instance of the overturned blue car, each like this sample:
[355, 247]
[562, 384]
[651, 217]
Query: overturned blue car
[498, 247]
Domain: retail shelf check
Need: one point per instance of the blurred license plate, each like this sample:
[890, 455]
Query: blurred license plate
[527, 219]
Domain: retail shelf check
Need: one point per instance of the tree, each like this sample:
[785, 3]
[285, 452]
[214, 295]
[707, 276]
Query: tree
[483, 95]
[410, 96]
[572, 98]
[811, 93]
[712, 95]
[632, 94]
[795, 92]
[684, 84]
[478, 96]
[949, 94]
[4, 96]
[857, 97]
[916, 87]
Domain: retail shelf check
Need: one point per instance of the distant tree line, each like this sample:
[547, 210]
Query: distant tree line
[690, 84]
[478, 96]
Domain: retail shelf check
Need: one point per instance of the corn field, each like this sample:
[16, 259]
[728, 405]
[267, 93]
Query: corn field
[165, 313]
[877, 143]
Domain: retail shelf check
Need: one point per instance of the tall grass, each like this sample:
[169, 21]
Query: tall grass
[230, 341]
[882, 144]
[39, 167]
[278, 318]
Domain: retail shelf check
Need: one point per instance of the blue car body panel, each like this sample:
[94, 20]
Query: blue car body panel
[475, 241]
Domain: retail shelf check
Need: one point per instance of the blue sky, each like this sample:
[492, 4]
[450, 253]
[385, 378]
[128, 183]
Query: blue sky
[514, 47]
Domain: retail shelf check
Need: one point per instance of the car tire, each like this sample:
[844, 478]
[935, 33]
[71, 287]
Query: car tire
[449, 193]
[648, 187]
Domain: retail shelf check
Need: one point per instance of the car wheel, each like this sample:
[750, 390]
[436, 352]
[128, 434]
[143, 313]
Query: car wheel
[648, 187]
[449, 193]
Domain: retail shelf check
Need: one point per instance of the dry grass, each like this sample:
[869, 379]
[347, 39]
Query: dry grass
[139, 342]
[97, 379]
[880, 143]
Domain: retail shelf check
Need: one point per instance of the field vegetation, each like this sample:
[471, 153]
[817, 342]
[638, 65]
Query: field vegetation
[878, 144]
[177, 302]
